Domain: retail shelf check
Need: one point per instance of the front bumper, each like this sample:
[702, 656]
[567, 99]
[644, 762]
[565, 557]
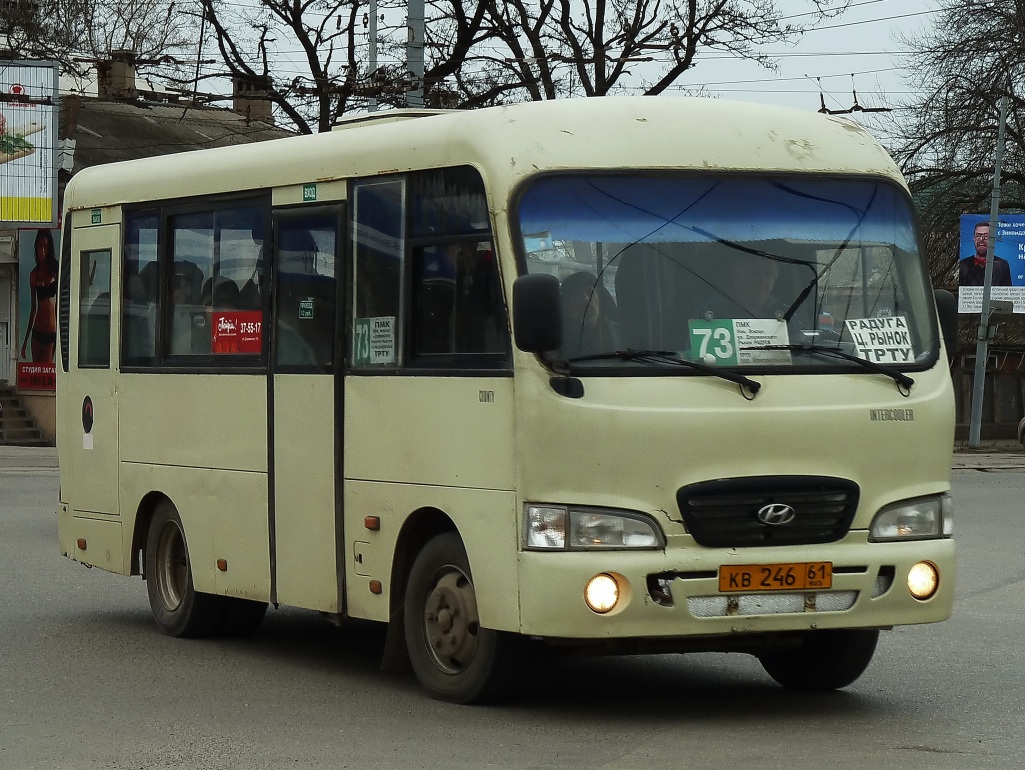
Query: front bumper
[675, 593]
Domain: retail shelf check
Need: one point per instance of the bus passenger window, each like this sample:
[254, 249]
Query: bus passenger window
[378, 257]
[457, 301]
[448, 201]
[215, 306]
[306, 290]
[94, 310]
[186, 315]
[141, 290]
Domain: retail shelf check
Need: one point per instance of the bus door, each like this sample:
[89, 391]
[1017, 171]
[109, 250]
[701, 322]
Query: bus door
[303, 418]
[91, 420]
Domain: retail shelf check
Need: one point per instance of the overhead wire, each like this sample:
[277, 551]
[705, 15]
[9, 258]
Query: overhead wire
[287, 72]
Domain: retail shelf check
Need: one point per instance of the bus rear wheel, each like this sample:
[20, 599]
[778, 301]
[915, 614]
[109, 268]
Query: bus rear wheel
[826, 660]
[454, 658]
[178, 609]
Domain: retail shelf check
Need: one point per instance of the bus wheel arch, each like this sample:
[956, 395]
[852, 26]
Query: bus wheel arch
[143, 516]
[177, 608]
[420, 527]
[453, 656]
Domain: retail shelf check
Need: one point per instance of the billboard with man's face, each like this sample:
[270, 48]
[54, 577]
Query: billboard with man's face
[1008, 271]
[28, 144]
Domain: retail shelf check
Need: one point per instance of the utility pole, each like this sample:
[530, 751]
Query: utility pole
[982, 342]
[415, 52]
[372, 106]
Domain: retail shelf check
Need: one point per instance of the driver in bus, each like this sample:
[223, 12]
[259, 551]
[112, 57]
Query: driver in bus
[750, 292]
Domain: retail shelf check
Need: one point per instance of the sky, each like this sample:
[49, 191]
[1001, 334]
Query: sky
[864, 41]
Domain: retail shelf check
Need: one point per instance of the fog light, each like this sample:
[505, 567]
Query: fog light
[602, 593]
[923, 580]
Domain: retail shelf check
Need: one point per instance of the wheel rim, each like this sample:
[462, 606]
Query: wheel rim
[451, 622]
[172, 567]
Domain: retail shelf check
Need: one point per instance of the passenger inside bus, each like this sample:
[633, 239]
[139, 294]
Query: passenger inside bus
[589, 317]
[306, 295]
[184, 306]
[750, 290]
[656, 289]
[458, 300]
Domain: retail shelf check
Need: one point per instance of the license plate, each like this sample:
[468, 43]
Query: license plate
[788, 576]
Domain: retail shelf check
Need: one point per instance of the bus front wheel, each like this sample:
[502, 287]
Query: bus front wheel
[826, 660]
[454, 658]
[178, 609]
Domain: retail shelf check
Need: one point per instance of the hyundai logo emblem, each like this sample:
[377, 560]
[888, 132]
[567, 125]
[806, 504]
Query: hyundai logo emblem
[776, 514]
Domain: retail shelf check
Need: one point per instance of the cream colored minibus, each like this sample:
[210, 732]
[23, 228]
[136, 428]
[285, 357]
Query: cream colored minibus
[601, 375]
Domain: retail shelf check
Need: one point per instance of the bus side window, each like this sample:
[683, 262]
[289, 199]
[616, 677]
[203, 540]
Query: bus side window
[457, 303]
[139, 301]
[378, 255]
[306, 295]
[94, 310]
[215, 307]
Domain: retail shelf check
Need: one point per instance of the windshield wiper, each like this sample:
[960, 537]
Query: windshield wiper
[897, 376]
[668, 357]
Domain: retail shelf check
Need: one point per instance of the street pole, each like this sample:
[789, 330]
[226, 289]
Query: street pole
[982, 342]
[372, 106]
[415, 52]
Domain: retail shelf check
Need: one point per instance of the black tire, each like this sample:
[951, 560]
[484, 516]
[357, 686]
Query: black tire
[453, 657]
[178, 609]
[242, 617]
[827, 660]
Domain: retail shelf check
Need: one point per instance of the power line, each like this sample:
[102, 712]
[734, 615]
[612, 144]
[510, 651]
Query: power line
[802, 78]
[871, 21]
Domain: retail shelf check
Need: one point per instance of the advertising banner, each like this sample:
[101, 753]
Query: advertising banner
[28, 143]
[37, 308]
[1008, 279]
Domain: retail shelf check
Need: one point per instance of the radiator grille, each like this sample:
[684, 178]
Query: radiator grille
[725, 513]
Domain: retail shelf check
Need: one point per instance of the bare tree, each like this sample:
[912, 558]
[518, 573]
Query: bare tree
[555, 48]
[945, 144]
[324, 43]
[77, 32]
[485, 52]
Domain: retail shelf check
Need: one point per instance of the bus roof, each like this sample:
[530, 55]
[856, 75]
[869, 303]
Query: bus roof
[510, 143]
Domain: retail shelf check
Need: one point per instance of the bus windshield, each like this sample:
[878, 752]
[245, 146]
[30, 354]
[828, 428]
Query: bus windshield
[732, 271]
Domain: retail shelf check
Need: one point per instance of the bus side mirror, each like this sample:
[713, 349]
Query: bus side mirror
[946, 308]
[537, 317]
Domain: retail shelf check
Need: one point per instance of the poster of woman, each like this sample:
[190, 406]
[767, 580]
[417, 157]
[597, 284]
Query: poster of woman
[39, 269]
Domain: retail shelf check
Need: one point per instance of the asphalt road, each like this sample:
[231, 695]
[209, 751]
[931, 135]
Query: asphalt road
[87, 682]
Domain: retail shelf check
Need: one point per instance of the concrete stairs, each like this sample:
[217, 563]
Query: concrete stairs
[17, 428]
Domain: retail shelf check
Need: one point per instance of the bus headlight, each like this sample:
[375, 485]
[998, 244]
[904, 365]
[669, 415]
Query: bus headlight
[559, 527]
[919, 519]
[923, 580]
[602, 593]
